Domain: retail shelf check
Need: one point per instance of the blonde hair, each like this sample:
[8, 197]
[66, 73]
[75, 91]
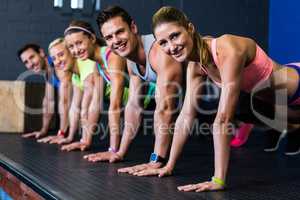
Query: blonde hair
[56, 42]
[168, 14]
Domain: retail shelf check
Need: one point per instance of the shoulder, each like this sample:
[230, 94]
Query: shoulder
[112, 56]
[165, 66]
[234, 44]
[160, 60]
[115, 61]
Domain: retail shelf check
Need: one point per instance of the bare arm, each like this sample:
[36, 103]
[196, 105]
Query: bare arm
[183, 123]
[65, 91]
[169, 84]
[65, 95]
[74, 114]
[169, 77]
[117, 66]
[186, 117]
[95, 107]
[48, 109]
[133, 115]
[232, 59]
[90, 110]
[87, 97]
[91, 105]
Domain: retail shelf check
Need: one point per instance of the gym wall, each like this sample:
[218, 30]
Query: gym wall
[284, 31]
[24, 21]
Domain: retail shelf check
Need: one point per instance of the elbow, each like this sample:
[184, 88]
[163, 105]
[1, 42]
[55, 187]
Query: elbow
[64, 103]
[76, 109]
[165, 114]
[48, 101]
[165, 108]
[48, 115]
[188, 115]
[114, 107]
[48, 107]
[222, 120]
[185, 119]
[132, 107]
[83, 114]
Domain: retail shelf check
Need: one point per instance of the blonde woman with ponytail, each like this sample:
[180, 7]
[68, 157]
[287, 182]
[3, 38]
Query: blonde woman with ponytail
[235, 64]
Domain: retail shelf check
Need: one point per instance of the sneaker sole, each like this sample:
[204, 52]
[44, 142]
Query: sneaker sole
[282, 135]
[292, 153]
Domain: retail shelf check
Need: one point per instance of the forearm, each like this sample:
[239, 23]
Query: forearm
[93, 114]
[133, 117]
[86, 101]
[163, 123]
[114, 121]
[167, 92]
[65, 91]
[183, 127]
[48, 111]
[46, 122]
[92, 125]
[63, 115]
[221, 138]
[74, 116]
[222, 125]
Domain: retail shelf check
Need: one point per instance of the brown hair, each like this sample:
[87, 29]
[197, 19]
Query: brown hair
[32, 46]
[81, 26]
[169, 14]
[111, 12]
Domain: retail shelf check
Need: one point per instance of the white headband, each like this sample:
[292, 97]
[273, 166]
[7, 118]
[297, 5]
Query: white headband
[77, 28]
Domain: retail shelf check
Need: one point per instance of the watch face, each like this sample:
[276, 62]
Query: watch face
[153, 157]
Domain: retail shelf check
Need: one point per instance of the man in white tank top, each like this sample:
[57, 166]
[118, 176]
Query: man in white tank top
[146, 63]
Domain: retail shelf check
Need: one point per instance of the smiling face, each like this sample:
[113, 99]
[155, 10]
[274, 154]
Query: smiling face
[80, 45]
[33, 60]
[175, 40]
[61, 57]
[119, 36]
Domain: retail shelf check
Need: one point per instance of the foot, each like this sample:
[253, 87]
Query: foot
[293, 143]
[242, 134]
[273, 139]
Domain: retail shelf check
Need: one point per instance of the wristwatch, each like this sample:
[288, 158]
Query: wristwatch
[156, 158]
[113, 150]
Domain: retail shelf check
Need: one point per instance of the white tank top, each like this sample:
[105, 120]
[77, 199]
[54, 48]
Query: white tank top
[150, 75]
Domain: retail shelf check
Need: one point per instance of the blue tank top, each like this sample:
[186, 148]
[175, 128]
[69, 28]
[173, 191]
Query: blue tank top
[150, 75]
[52, 79]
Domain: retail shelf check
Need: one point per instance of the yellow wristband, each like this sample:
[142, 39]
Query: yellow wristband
[218, 181]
